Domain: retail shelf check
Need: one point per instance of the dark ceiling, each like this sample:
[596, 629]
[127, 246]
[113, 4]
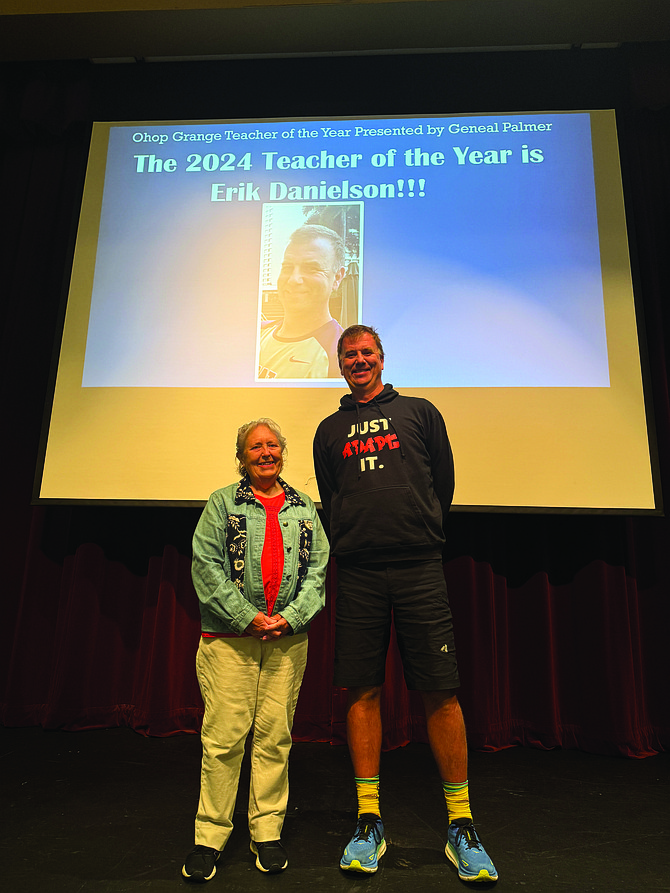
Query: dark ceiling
[413, 26]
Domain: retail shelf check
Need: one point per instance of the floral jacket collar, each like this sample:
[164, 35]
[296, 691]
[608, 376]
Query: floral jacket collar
[246, 494]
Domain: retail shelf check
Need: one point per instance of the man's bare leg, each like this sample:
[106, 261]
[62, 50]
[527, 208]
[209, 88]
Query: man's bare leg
[364, 730]
[446, 734]
[364, 736]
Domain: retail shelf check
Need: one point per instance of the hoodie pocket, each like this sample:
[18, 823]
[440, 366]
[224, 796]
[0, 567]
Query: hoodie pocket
[380, 519]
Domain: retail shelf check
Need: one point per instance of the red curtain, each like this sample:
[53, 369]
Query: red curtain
[580, 665]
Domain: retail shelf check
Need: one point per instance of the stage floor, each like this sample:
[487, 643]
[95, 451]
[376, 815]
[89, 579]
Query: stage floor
[91, 812]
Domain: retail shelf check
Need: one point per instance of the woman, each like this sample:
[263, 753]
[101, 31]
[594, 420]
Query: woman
[259, 565]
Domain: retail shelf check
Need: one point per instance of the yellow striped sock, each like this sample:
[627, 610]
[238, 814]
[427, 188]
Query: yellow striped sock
[458, 800]
[367, 791]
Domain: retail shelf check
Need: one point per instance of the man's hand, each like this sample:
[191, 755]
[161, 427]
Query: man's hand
[265, 628]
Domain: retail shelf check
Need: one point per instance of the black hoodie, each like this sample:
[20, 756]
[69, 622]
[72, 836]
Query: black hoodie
[386, 478]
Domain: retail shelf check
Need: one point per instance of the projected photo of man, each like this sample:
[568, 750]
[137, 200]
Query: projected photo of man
[301, 340]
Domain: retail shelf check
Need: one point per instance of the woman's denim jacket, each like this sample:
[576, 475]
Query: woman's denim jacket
[227, 548]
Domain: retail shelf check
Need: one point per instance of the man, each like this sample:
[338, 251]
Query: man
[385, 473]
[303, 344]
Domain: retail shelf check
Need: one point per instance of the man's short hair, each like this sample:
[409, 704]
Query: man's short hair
[310, 232]
[358, 331]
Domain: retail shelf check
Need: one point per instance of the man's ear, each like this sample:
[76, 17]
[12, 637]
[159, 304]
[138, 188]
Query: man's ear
[339, 276]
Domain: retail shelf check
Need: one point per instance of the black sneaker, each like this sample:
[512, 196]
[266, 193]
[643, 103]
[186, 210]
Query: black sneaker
[200, 864]
[270, 855]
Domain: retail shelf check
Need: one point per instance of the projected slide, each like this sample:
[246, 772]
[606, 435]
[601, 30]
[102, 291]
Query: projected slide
[217, 263]
[480, 243]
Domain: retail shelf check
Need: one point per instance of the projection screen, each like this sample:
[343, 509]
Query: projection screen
[489, 251]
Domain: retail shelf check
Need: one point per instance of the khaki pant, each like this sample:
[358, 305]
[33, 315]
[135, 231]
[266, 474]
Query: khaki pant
[244, 683]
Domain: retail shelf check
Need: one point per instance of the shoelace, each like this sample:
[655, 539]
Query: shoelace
[468, 832]
[364, 831]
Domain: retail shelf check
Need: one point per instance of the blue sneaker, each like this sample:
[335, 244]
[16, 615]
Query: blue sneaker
[465, 850]
[366, 846]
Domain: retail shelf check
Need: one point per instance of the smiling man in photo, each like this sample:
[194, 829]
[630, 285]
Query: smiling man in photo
[303, 343]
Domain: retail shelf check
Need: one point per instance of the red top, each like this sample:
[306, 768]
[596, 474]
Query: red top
[272, 559]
